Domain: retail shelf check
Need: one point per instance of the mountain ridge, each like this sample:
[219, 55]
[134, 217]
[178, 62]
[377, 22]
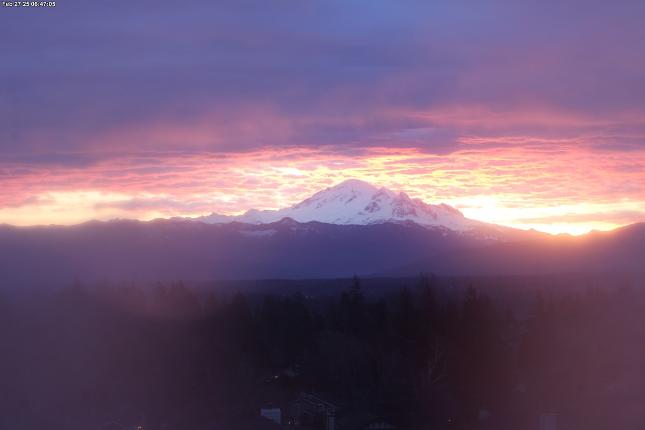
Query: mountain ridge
[356, 202]
[165, 250]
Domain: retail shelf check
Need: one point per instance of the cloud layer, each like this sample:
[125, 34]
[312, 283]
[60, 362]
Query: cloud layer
[519, 113]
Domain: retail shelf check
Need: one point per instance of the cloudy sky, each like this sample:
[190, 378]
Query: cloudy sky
[528, 114]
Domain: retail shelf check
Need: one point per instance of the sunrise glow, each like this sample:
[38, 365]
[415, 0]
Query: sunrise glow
[502, 122]
[484, 184]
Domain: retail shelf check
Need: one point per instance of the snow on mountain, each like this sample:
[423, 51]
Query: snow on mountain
[356, 202]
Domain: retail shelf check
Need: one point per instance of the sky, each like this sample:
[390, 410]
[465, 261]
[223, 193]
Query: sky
[522, 113]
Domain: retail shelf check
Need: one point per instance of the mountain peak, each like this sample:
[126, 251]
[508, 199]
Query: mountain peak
[354, 184]
[355, 201]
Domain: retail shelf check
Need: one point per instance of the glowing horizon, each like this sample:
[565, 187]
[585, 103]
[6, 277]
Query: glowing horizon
[199, 184]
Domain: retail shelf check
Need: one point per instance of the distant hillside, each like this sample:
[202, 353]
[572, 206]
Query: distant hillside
[190, 250]
[622, 250]
[170, 250]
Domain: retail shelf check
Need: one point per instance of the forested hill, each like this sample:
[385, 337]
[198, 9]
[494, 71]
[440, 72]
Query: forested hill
[189, 250]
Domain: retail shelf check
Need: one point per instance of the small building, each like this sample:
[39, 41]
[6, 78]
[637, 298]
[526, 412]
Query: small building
[272, 413]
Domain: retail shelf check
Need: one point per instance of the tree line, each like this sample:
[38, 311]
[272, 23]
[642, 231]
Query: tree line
[169, 358]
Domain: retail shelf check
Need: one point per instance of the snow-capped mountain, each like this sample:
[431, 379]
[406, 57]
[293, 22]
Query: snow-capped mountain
[356, 202]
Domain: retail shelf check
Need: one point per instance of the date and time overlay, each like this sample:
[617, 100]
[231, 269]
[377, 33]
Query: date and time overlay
[28, 3]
